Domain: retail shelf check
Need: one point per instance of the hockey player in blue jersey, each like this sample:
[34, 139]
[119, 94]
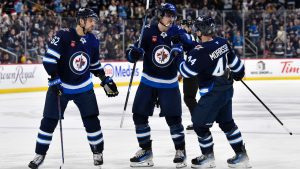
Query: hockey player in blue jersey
[215, 64]
[159, 85]
[190, 85]
[71, 57]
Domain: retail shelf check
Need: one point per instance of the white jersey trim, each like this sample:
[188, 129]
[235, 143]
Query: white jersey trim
[84, 84]
[157, 80]
[49, 60]
[53, 53]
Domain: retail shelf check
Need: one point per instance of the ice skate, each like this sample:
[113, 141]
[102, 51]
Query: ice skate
[98, 159]
[204, 161]
[190, 127]
[240, 160]
[37, 161]
[180, 159]
[142, 158]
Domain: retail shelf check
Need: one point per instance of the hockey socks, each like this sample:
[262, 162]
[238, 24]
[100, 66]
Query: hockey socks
[94, 134]
[44, 136]
[235, 139]
[143, 136]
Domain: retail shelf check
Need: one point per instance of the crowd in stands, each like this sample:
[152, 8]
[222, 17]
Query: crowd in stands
[271, 27]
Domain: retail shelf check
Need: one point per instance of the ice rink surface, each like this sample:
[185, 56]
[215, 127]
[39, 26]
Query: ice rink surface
[268, 144]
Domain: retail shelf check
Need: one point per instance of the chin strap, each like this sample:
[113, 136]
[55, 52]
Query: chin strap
[164, 24]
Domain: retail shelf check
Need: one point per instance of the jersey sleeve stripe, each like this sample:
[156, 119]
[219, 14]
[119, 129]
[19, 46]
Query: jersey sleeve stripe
[97, 63]
[97, 68]
[53, 53]
[234, 62]
[189, 70]
[239, 68]
[49, 60]
[181, 71]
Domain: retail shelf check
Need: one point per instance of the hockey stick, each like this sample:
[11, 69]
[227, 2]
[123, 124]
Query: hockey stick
[267, 108]
[61, 132]
[134, 65]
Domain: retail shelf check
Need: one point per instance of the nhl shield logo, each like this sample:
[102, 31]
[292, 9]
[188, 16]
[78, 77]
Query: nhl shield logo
[79, 62]
[161, 56]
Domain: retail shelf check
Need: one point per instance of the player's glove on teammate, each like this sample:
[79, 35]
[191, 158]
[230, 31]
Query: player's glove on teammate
[55, 84]
[109, 87]
[177, 50]
[135, 53]
[182, 38]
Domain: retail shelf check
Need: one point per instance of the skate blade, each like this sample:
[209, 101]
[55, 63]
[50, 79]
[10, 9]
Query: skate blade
[181, 165]
[148, 163]
[240, 165]
[203, 166]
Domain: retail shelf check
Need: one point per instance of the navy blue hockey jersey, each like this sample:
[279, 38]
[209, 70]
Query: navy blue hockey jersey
[159, 70]
[73, 58]
[208, 61]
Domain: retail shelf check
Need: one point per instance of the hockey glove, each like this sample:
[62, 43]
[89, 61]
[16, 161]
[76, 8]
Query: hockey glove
[135, 53]
[176, 39]
[182, 38]
[109, 87]
[176, 50]
[237, 76]
[54, 84]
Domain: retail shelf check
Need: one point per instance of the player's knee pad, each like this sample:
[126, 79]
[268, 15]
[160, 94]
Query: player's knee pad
[91, 123]
[140, 119]
[228, 126]
[173, 120]
[48, 124]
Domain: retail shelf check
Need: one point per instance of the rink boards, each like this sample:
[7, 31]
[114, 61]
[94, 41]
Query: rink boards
[33, 77]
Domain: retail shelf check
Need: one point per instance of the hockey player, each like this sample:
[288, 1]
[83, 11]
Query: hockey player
[71, 57]
[159, 85]
[215, 64]
[190, 85]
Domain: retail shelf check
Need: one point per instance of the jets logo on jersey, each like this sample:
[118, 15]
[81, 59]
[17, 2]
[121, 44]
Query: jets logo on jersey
[161, 56]
[79, 62]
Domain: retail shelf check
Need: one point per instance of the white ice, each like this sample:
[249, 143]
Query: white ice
[269, 146]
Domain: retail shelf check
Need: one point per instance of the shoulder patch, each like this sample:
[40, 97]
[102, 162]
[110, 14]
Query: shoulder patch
[147, 26]
[199, 47]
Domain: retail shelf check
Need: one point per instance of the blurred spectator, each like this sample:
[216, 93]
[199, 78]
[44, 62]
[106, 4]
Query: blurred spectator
[113, 8]
[281, 34]
[30, 21]
[5, 58]
[237, 43]
[253, 32]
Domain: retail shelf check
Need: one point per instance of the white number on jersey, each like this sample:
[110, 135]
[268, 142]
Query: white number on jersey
[55, 40]
[219, 70]
[191, 60]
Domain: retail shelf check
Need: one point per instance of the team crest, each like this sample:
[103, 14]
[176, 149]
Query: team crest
[79, 62]
[161, 56]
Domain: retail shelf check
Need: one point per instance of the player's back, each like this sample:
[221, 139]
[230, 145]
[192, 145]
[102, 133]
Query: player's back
[212, 56]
